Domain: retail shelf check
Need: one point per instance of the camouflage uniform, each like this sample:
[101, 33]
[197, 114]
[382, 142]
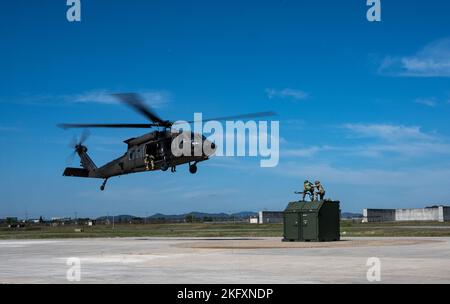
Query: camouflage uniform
[149, 160]
[308, 188]
[320, 194]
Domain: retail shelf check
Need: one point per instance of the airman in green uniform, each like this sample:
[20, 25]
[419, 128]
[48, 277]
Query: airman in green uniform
[149, 160]
[320, 194]
[308, 188]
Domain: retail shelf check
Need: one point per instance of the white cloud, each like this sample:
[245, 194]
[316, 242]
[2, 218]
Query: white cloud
[429, 102]
[154, 98]
[411, 178]
[408, 149]
[92, 96]
[411, 149]
[388, 132]
[360, 187]
[407, 141]
[388, 140]
[433, 60]
[307, 152]
[287, 93]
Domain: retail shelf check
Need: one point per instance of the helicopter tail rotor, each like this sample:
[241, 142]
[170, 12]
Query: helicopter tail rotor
[77, 145]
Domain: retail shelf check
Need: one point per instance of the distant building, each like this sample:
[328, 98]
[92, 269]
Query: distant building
[254, 220]
[61, 219]
[12, 219]
[270, 217]
[378, 215]
[351, 216]
[435, 213]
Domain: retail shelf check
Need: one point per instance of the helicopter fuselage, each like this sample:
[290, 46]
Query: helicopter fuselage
[157, 150]
[149, 152]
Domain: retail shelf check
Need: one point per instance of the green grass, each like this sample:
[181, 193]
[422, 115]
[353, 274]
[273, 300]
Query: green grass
[399, 229]
[149, 230]
[348, 228]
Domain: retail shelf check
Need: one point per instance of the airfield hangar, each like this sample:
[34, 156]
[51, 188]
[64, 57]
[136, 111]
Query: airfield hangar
[434, 214]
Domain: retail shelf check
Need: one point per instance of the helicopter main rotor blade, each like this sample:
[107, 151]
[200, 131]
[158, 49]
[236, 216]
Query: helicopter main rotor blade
[136, 102]
[250, 115]
[137, 126]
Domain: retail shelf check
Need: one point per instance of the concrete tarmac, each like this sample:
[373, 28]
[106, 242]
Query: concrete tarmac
[224, 260]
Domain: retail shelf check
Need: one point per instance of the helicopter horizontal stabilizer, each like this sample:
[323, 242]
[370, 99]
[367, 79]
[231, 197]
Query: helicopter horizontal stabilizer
[78, 172]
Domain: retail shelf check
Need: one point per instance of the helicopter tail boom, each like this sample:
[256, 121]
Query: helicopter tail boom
[86, 161]
[89, 167]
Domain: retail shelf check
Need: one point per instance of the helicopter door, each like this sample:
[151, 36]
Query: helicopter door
[135, 158]
[131, 159]
[139, 157]
[151, 149]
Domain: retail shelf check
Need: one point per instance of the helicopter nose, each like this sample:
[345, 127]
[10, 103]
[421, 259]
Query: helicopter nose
[209, 148]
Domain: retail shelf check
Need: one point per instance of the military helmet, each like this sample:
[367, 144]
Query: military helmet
[306, 181]
[317, 182]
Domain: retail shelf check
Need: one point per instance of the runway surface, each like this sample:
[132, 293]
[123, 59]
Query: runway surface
[224, 260]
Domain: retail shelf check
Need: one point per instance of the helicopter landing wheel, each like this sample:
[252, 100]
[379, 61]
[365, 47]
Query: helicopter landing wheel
[193, 169]
[164, 167]
[102, 187]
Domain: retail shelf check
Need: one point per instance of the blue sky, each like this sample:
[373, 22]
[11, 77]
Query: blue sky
[362, 106]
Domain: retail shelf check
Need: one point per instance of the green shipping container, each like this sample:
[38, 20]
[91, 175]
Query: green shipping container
[312, 221]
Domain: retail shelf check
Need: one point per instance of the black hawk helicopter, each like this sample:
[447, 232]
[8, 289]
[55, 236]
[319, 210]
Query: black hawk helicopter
[149, 152]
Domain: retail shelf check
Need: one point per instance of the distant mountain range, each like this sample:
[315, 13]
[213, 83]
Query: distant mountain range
[199, 215]
[239, 216]
[202, 215]
[348, 215]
